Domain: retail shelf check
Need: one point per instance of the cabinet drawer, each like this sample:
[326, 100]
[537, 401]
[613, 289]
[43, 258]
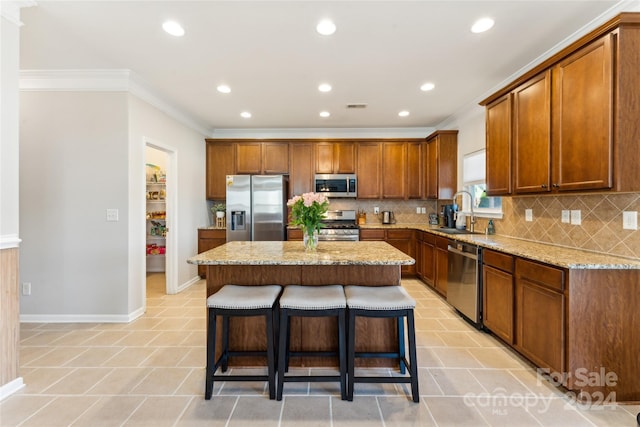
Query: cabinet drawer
[442, 243]
[372, 234]
[399, 234]
[498, 260]
[429, 238]
[540, 274]
[212, 234]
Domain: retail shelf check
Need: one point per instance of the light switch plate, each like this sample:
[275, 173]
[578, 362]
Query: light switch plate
[566, 218]
[112, 214]
[528, 215]
[576, 217]
[630, 220]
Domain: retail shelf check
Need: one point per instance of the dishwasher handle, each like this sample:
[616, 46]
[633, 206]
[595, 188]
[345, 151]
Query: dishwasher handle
[459, 252]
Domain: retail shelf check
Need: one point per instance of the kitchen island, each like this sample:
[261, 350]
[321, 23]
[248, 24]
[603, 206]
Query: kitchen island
[287, 263]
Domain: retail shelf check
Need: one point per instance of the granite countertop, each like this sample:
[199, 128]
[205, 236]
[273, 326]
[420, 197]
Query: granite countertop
[211, 227]
[550, 254]
[293, 253]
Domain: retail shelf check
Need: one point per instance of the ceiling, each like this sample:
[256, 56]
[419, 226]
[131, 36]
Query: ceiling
[270, 55]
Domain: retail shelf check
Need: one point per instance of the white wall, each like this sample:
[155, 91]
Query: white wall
[73, 166]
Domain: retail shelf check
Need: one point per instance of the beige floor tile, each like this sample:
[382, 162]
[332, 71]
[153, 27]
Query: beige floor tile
[495, 357]
[79, 381]
[427, 358]
[506, 411]
[255, 411]
[427, 324]
[556, 412]
[427, 384]
[168, 338]
[62, 411]
[193, 385]
[397, 412]
[454, 357]
[456, 382]
[17, 408]
[166, 356]
[608, 416]
[59, 356]
[120, 381]
[139, 338]
[303, 411]
[207, 413]
[243, 387]
[453, 412]
[29, 354]
[162, 381]
[109, 411]
[44, 338]
[76, 337]
[196, 339]
[500, 381]
[363, 411]
[158, 411]
[173, 324]
[106, 338]
[302, 388]
[39, 379]
[457, 324]
[95, 356]
[457, 339]
[143, 324]
[130, 356]
[196, 357]
[429, 339]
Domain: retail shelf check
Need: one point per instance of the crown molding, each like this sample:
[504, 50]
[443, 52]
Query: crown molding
[122, 80]
[10, 9]
[292, 133]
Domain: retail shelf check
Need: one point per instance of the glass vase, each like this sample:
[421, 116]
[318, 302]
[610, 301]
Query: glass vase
[310, 239]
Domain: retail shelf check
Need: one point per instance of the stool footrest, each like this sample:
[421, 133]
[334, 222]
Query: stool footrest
[241, 377]
[314, 354]
[381, 355]
[382, 380]
[311, 378]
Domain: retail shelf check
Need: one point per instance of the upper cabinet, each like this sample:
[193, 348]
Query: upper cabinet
[301, 170]
[335, 157]
[221, 160]
[262, 158]
[573, 121]
[441, 161]
[394, 170]
[369, 170]
[415, 170]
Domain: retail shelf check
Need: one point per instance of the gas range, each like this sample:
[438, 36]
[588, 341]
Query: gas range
[340, 226]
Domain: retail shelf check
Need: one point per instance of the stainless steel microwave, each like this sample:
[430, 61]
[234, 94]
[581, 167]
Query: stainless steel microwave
[336, 185]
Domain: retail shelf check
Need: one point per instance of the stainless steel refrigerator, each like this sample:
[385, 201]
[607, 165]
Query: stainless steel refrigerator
[256, 207]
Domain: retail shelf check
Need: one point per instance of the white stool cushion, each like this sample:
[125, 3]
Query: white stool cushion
[313, 297]
[244, 297]
[378, 298]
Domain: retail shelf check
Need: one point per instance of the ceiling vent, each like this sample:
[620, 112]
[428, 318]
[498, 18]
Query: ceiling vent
[356, 106]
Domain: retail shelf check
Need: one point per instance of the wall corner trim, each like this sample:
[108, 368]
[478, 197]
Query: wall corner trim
[9, 241]
[11, 387]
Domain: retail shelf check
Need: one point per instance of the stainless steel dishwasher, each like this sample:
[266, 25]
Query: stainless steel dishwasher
[464, 280]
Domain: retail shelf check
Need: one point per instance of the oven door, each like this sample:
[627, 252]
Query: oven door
[329, 235]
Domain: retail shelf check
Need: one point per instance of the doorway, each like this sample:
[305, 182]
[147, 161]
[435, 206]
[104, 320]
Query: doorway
[160, 195]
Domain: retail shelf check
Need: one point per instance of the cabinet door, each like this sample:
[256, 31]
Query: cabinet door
[583, 118]
[209, 239]
[405, 241]
[275, 158]
[248, 157]
[532, 135]
[369, 170]
[324, 157]
[301, 171]
[442, 265]
[414, 170]
[394, 169]
[344, 157]
[498, 128]
[431, 176]
[442, 164]
[498, 300]
[428, 263]
[220, 163]
[372, 234]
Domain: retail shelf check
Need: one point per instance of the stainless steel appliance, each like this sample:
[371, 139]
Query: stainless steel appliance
[449, 215]
[256, 207]
[340, 226]
[464, 280]
[336, 185]
[388, 217]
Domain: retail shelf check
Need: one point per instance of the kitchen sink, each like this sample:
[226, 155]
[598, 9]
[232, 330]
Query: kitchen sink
[456, 231]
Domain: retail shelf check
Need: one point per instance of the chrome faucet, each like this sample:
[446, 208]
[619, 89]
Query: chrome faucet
[472, 219]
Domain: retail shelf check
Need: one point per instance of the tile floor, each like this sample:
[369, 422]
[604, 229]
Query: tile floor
[151, 372]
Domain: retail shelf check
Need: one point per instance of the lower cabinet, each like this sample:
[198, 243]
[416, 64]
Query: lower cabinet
[209, 238]
[404, 240]
[294, 234]
[441, 265]
[498, 294]
[540, 314]
[425, 257]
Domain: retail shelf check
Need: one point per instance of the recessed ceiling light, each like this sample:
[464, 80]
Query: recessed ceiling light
[403, 113]
[173, 28]
[326, 27]
[427, 87]
[324, 114]
[324, 87]
[224, 89]
[482, 25]
[246, 114]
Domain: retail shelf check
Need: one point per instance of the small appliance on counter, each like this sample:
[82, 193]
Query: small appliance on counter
[388, 217]
[433, 219]
[449, 215]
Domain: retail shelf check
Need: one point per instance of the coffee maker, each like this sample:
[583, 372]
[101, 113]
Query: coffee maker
[449, 215]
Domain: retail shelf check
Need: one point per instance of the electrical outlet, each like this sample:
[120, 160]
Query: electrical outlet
[630, 220]
[376, 210]
[423, 210]
[112, 214]
[528, 215]
[26, 288]
[418, 210]
[566, 216]
[576, 217]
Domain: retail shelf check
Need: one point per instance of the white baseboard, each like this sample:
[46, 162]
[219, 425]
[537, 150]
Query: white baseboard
[11, 387]
[188, 283]
[79, 318]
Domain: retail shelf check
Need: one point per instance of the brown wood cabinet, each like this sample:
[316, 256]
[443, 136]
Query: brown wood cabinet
[415, 180]
[441, 265]
[262, 158]
[301, 168]
[442, 164]
[335, 157]
[209, 238]
[220, 162]
[574, 118]
[372, 234]
[369, 170]
[498, 145]
[425, 258]
[294, 234]
[540, 314]
[404, 240]
[394, 170]
[498, 294]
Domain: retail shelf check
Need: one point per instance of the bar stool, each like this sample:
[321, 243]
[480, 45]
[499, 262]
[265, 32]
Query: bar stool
[241, 301]
[312, 301]
[382, 301]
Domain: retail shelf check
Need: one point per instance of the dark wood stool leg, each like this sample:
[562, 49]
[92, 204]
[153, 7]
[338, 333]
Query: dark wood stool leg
[342, 353]
[401, 351]
[225, 343]
[351, 352]
[211, 354]
[283, 350]
[271, 361]
[413, 365]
